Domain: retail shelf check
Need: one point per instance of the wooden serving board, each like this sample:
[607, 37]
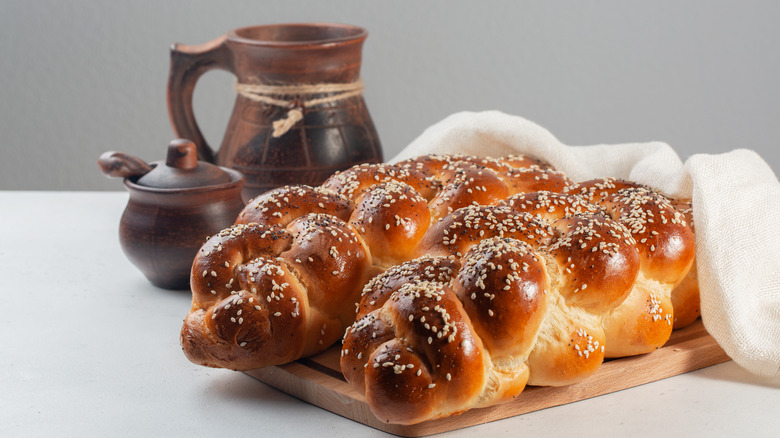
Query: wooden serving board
[318, 380]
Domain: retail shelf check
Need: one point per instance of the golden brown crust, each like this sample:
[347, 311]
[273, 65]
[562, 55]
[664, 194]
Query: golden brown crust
[536, 179]
[503, 286]
[685, 296]
[497, 273]
[426, 268]
[351, 183]
[214, 267]
[596, 255]
[251, 301]
[665, 243]
[392, 218]
[520, 160]
[664, 239]
[456, 233]
[569, 349]
[551, 281]
[328, 255]
[685, 300]
[431, 365]
[282, 205]
[467, 185]
[598, 261]
[642, 323]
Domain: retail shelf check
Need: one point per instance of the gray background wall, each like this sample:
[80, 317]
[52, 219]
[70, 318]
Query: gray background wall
[78, 78]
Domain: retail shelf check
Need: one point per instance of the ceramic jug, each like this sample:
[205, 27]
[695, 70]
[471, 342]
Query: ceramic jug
[299, 114]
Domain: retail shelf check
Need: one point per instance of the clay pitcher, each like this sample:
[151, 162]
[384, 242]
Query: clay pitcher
[305, 78]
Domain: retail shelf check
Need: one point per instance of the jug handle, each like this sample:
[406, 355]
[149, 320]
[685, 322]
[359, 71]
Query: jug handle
[188, 64]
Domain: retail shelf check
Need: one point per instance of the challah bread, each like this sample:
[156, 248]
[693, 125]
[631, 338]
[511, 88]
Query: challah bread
[283, 282]
[550, 284]
[328, 241]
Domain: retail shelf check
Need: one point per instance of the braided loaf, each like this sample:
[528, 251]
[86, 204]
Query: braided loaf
[536, 289]
[485, 275]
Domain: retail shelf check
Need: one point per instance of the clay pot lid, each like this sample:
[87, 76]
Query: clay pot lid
[181, 169]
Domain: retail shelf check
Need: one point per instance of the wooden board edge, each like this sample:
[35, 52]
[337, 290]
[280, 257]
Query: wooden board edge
[319, 389]
[314, 381]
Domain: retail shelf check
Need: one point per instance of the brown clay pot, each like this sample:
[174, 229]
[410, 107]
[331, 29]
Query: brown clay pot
[330, 137]
[174, 206]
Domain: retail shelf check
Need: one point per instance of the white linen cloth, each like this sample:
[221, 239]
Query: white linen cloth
[736, 209]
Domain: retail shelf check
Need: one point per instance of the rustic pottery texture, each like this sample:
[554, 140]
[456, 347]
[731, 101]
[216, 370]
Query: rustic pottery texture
[174, 206]
[297, 66]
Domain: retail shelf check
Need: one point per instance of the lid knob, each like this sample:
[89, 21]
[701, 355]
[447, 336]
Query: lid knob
[182, 154]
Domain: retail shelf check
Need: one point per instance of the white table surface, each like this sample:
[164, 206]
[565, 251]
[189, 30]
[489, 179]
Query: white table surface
[89, 347]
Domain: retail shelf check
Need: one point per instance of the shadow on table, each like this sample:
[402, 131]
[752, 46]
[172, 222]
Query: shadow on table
[239, 386]
[730, 371]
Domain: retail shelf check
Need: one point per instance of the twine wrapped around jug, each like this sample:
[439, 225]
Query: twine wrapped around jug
[265, 94]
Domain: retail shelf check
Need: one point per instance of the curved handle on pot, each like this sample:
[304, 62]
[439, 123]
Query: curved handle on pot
[188, 64]
[121, 165]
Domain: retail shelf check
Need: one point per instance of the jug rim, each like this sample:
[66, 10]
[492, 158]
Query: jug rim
[355, 34]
